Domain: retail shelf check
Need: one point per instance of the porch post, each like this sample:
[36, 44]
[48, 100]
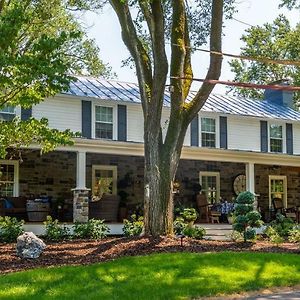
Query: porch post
[81, 193]
[250, 180]
[80, 170]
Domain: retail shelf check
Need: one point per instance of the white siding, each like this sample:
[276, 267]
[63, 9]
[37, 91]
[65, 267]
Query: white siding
[135, 123]
[296, 138]
[62, 113]
[243, 133]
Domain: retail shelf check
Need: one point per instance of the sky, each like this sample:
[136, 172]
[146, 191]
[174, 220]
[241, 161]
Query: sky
[105, 29]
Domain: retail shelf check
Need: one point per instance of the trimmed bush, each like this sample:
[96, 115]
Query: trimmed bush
[294, 235]
[55, 231]
[134, 226]
[246, 219]
[10, 229]
[93, 229]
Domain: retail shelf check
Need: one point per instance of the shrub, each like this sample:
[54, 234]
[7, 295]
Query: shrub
[282, 225]
[10, 229]
[189, 215]
[183, 225]
[194, 232]
[54, 231]
[294, 235]
[246, 219]
[133, 227]
[273, 236]
[93, 229]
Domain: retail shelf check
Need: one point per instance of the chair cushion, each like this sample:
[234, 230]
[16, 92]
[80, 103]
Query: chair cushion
[8, 204]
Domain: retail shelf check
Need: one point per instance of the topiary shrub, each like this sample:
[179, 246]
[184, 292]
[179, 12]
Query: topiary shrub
[10, 229]
[246, 219]
[55, 231]
[92, 229]
[134, 226]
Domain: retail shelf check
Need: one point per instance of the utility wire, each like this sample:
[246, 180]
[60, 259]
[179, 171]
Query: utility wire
[243, 84]
[243, 57]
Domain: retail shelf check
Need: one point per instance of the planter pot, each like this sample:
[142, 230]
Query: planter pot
[230, 220]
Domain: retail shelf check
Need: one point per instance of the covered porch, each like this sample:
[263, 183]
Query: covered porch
[66, 180]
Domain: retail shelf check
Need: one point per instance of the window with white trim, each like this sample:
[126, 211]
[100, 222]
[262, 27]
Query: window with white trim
[104, 122]
[104, 175]
[276, 138]
[277, 189]
[210, 183]
[208, 132]
[8, 178]
[8, 110]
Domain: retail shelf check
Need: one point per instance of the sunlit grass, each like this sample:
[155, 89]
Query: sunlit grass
[158, 276]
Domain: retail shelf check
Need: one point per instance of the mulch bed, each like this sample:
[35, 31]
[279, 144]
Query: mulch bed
[82, 252]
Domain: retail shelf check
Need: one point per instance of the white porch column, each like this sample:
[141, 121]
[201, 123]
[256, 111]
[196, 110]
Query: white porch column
[250, 181]
[81, 170]
[250, 177]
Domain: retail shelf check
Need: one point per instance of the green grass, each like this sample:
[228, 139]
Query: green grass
[158, 276]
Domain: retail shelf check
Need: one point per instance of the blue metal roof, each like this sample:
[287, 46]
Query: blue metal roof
[223, 104]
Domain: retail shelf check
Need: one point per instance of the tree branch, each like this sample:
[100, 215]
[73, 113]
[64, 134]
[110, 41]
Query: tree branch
[214, 70]
[136, 49]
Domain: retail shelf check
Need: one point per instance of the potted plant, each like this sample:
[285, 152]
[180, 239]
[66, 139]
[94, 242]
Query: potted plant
[103, 186]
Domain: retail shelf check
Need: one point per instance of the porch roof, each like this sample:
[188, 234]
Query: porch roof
[129, 92]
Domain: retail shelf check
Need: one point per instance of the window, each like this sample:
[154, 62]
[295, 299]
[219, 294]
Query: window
[104, 122]
[276, 144]
[210, 183]
[7, 113]
[8, 178]
[208, 132]
[107, 175]
[277, 189]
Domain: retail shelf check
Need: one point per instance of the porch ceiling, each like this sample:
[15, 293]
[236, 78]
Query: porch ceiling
[194, 153]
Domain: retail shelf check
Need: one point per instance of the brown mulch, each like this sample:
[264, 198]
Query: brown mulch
[82, 252]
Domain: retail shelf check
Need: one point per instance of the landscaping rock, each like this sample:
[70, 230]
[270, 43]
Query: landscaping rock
[29, 245]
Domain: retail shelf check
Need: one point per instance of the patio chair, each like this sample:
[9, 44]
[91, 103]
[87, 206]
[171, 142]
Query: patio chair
[290, 212]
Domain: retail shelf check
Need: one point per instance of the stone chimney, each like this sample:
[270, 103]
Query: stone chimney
[280, 97]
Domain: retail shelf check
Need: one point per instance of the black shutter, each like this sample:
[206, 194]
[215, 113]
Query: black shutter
[195, 132]
[223, 133]
[122, 123]
[26, 113]
[263, 136]
[289, 139]
[86, 119]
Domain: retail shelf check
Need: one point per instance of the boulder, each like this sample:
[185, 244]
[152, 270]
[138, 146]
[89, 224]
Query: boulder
[29, 245]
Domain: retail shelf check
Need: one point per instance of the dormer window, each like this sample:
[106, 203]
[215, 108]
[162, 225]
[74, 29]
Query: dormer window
[208, 132]
[104, 122]
[276, 138]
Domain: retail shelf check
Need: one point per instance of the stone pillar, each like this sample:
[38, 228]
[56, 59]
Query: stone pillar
[81, 205]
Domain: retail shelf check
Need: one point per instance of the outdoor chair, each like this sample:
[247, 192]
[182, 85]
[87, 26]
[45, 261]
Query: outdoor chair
[278, 206]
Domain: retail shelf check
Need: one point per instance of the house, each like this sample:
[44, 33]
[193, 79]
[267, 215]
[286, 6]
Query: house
[234, 144]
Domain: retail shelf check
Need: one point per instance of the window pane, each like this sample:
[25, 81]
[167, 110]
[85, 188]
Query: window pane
[276, 145]
[8, 109]
[104, 114]
[209, 188]
[208, 125]
[208, 140]
[276, 131]
[6, 189]
[104, 131]
[6, 180]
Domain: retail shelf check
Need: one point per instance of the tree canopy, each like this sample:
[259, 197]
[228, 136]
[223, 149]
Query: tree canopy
[41, 45]
[277, 40]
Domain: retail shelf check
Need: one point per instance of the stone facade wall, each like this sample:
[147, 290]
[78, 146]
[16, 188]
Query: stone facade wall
[130, 167]
[52, 174]
[262, 173]
[188, 175]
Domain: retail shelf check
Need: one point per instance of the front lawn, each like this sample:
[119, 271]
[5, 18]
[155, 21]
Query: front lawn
[156, 276]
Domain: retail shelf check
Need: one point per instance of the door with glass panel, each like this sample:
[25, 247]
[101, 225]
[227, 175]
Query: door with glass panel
[210, 183]
[277, 189]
